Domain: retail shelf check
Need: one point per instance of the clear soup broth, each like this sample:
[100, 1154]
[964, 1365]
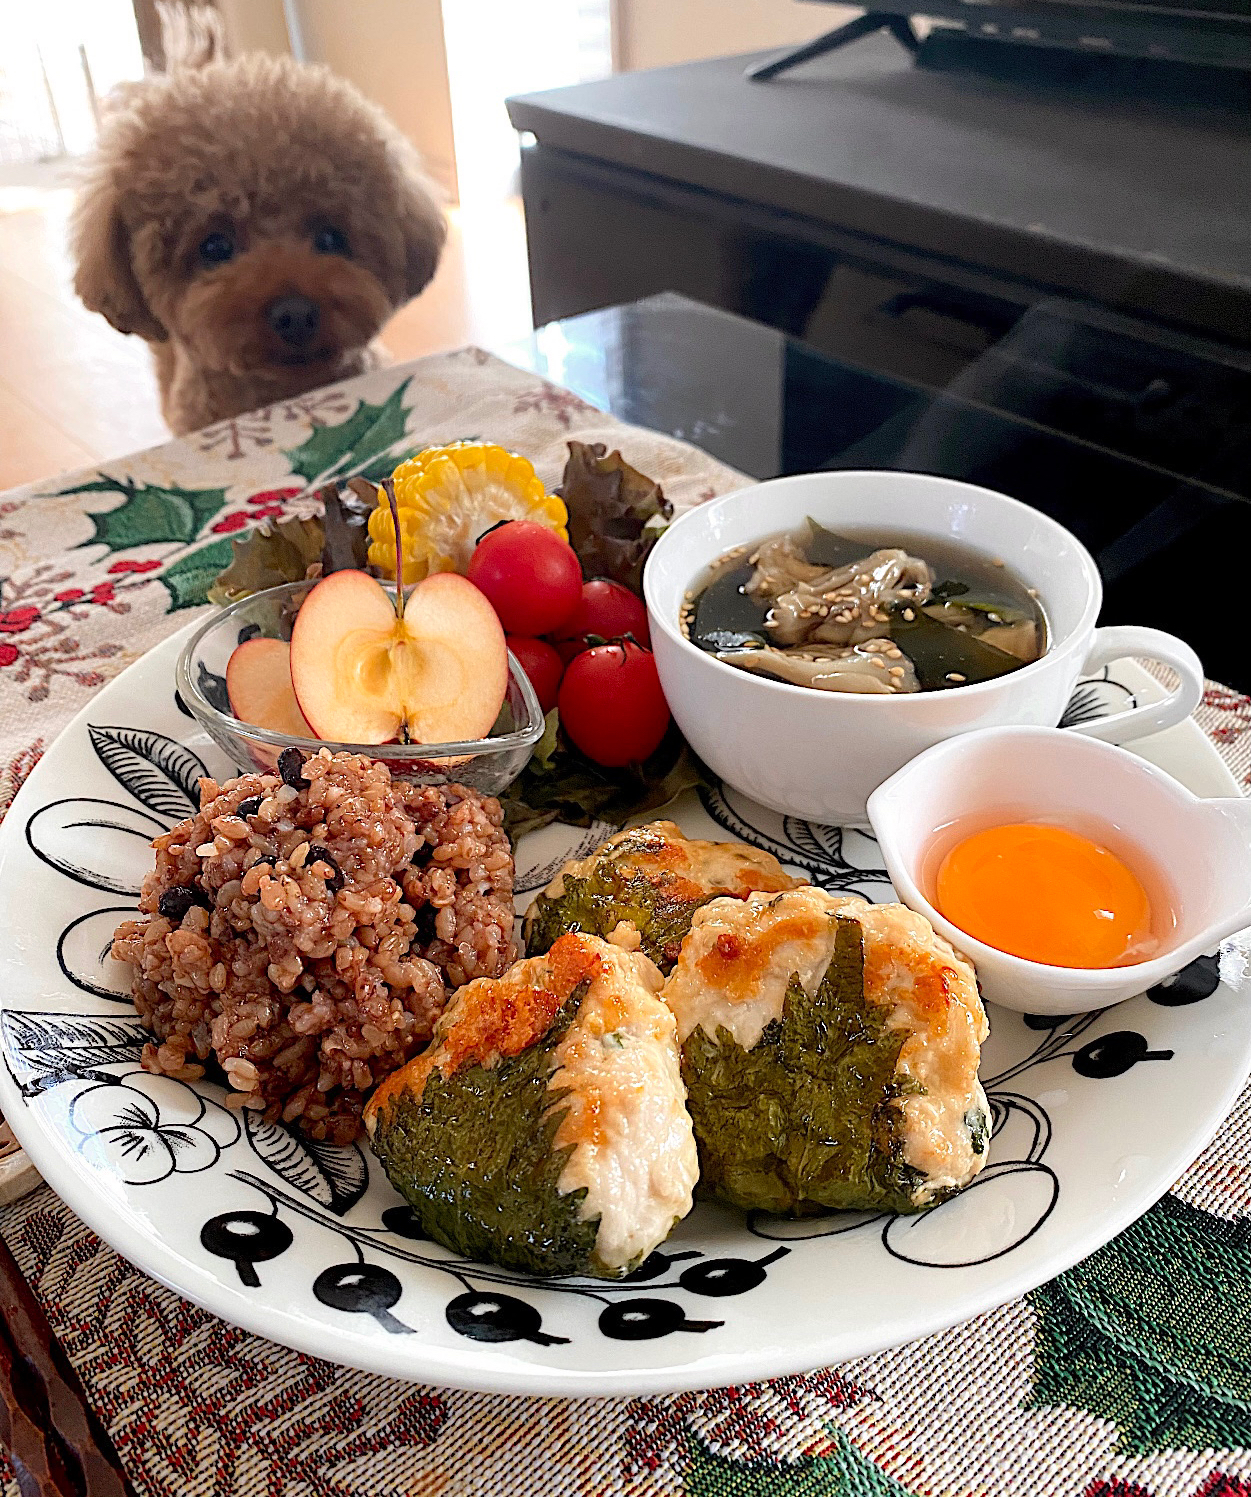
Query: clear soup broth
[871, 613]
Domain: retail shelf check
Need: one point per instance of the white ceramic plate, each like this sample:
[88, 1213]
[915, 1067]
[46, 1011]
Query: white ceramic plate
[1094, 1118]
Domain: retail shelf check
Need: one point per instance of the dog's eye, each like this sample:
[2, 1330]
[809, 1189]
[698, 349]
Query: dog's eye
[330, 241]
[217, 248]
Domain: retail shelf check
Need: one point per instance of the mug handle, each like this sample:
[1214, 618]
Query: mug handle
[1133, 639]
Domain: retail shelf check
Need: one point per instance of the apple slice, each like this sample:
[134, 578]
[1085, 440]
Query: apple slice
[258, 682]
[365, 673]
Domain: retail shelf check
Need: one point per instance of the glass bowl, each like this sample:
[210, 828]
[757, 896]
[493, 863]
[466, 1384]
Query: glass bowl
[486, 764]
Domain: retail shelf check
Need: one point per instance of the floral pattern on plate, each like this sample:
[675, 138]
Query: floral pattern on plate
[308, 1243]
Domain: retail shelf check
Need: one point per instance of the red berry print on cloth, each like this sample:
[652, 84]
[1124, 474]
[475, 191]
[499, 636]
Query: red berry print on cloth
[1218, 1484]
[266, 505]
[229, 523]
[17, 620]
[135, 566]
[270, 497]
[39, 642]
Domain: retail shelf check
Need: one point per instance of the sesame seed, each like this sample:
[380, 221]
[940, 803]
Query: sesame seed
[909, 614]
[896, 670]
[206, 850]
[998, 561]
[956, 676]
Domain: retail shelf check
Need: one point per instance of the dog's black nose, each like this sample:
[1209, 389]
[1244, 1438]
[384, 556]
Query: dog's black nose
[293, 318]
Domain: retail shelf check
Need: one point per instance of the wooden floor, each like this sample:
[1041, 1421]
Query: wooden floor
[73, 391]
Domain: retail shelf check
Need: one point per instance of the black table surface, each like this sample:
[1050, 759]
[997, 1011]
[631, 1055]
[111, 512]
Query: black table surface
[1081, 190]
[1162, 498]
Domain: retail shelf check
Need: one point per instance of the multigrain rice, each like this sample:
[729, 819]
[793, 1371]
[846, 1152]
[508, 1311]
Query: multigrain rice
[301, 942]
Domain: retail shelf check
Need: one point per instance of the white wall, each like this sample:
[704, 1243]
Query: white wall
[254, 26]
[393, 51]
[657, 33]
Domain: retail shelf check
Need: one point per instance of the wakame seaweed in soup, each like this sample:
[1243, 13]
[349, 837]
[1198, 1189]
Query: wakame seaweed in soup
[881, 614]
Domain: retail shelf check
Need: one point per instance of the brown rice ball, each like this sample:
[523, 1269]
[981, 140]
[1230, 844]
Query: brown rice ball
[302, 929]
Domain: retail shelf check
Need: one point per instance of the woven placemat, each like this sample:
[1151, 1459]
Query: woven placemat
[1129, 1376]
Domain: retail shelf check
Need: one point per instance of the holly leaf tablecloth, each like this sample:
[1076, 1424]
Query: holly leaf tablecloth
[1128, 1376]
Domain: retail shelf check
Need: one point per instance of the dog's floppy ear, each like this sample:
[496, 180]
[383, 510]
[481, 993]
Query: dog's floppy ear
[104, 276]
[422, 225]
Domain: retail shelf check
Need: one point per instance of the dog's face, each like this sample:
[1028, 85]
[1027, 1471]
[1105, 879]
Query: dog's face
[259, 213]
[272, 284]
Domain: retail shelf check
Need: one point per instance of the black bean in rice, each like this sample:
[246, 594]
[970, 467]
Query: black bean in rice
[460, 881]
[306, 945]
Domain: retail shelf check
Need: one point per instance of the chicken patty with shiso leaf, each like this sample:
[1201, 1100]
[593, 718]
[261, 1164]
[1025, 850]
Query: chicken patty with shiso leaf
[653, 878]
[545, 1129]
[830, 1050]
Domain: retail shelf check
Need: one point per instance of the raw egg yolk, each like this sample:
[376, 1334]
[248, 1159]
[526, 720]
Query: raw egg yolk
[1046, 894]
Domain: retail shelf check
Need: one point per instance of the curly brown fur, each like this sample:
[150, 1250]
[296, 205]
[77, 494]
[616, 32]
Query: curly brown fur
[267, 151]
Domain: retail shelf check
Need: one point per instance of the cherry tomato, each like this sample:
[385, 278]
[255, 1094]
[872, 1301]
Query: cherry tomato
[541, 663]
[611, 704]
[531, 577]
[606, 608]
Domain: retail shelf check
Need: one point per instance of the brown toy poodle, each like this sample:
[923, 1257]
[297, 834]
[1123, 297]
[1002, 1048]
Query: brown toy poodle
[257, 221]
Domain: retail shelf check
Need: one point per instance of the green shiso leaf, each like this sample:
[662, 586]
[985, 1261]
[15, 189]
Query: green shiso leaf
[803, 1121]
[474, 1157]
[614, 891]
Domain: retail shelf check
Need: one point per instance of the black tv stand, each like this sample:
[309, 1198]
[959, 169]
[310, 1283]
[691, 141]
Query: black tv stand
[900, 27]
[1209, 34]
